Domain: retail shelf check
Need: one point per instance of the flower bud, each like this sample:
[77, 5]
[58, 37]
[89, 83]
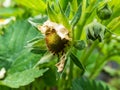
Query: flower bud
[104, 12]
[95, 31]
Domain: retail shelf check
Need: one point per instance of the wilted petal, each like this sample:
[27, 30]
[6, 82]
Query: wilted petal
[6, 21]
[2, 73]
[60, 29]
[60, 65]
[43, 29]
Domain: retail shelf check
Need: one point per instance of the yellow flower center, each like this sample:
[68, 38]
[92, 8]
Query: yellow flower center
[54, 42]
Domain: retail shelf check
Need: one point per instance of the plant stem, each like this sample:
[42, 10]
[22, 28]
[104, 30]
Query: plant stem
[86, 53]
[86, 12]
[70, 76]
[97, 68]
[82, 20]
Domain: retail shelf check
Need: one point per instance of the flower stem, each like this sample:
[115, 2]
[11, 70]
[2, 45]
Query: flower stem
[82, 20]
[86, 53]
[97, 68]
[86, 12]
[70, 76]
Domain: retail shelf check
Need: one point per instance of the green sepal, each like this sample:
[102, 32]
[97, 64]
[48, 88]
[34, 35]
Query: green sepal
[77, 16]
[52, 14]
[95, 30]
[37, 45]
[63, 19]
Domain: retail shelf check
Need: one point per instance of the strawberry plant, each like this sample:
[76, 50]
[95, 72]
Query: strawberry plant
[59, 44]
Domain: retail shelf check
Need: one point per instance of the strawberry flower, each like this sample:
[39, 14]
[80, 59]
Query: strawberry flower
[57, 41]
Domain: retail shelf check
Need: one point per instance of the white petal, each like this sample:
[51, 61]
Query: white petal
[60, 65]
[2, 73]
[6, 21]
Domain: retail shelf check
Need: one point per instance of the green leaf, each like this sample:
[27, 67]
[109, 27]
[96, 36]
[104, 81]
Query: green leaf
[67, 11]
[79, 44]
[58, 17]
[74, 5]
[13, 54]
[37, 45]
[52, 14]
[77, 62]
[37, 5]
[13, 49]
[115, 58]
[6, 12]
[77, 16]
[51, 73]
[62, 18]
[45, 59]
[86, 84]
[64, 4]
[22, 78]
[4, 63]
[4, 88]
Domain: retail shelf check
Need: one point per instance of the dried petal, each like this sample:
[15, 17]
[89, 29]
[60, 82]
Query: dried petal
[6, 21]
[2, 73]
[56, 36]
[60, 29]
[60, 65]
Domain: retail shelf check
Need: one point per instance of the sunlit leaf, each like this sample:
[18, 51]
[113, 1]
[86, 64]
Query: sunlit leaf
[74, 5]
[62, 18]
[37, 5]
[7, 12]
[76, 16]
[52, 15]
